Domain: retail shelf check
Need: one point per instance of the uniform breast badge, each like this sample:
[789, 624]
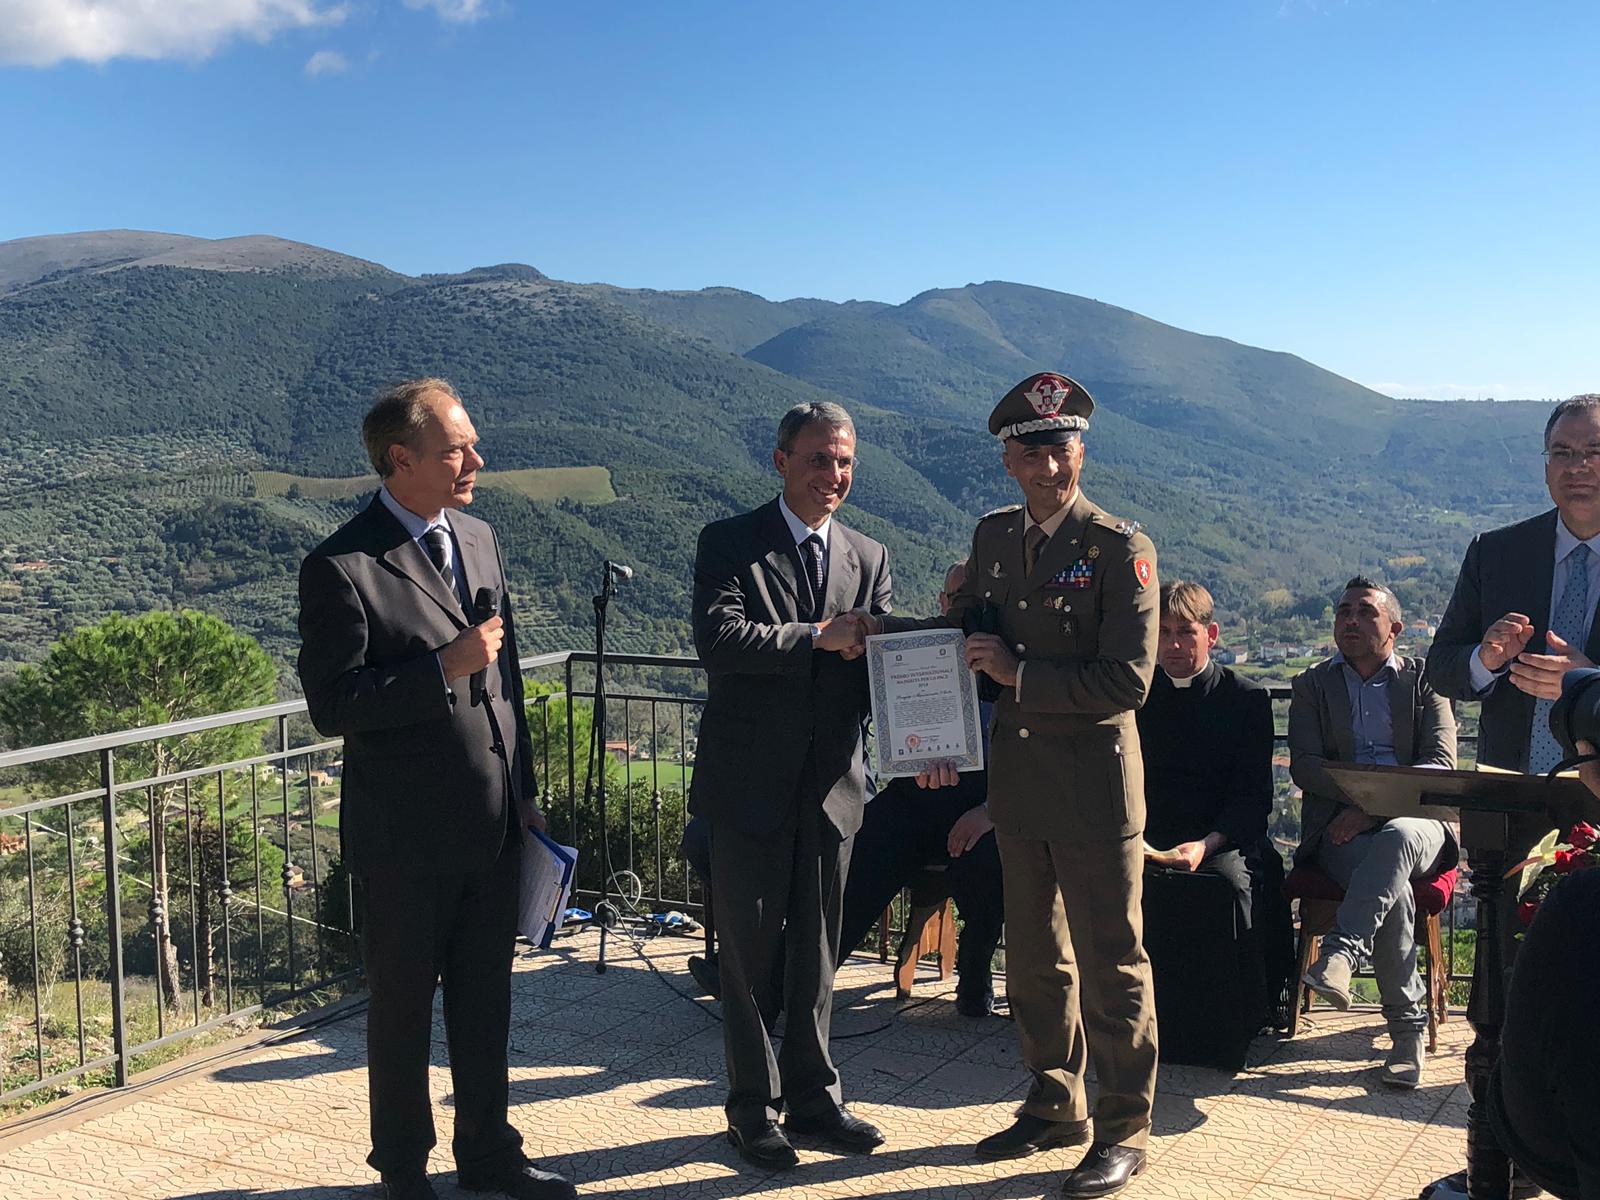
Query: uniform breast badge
[1076, 578]
[995, 572]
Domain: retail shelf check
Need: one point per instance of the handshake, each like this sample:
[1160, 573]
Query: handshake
[847, 633]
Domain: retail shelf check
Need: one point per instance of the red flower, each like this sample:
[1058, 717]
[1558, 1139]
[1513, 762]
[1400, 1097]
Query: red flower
[1569, 860]
[1526, 910]
[1583, 836]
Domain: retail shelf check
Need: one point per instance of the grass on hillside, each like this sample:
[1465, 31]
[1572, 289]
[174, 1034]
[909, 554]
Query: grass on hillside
[586, 485]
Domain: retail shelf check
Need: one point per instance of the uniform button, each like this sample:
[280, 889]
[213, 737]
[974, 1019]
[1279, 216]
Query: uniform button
[1022, 733]
[1022, 604]
[1020, 647]
[986, 595]
[1066, 608]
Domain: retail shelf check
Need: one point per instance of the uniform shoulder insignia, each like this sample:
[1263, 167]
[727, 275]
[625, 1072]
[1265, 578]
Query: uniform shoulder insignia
[1126, 528]
[1001, 511]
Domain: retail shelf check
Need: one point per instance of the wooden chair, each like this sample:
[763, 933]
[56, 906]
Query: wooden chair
[930, 929]
[1320, 898]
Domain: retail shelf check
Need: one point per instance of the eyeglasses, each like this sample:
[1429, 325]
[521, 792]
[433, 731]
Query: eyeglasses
[1566, 456]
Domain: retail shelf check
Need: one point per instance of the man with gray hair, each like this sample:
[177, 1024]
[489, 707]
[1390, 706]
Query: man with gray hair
[1366, 705]
[780, 775]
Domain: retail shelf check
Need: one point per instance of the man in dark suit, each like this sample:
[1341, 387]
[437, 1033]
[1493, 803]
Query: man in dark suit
[1206, 737]
[779, 773]
[1366, 705]
[398, 659]
[1508, 601]
[1522, 615]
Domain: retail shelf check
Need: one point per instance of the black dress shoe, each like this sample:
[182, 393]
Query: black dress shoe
[408, 1185]
[707, 974]
[837, 1128]
[763, 1146]
[1029, 1135]
[522, 1182]
[1104, 1170]
[975, 1003]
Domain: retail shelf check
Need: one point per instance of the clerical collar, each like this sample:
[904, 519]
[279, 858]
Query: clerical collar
[1188, 681]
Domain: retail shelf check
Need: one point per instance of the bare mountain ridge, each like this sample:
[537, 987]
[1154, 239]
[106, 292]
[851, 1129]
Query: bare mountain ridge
[26, 261]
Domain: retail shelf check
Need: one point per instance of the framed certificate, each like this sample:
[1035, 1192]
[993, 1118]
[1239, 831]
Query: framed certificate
[924, 702]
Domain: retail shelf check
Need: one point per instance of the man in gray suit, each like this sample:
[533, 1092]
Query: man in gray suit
[409, 653]
[779, 773]
[1365, 705]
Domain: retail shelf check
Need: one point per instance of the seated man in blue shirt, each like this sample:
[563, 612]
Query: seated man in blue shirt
[1365, 705]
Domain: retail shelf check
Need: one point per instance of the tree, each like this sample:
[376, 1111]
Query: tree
[131, 672]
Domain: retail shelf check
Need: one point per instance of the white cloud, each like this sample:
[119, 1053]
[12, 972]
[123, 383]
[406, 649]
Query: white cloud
[456, 11]
[41, 33]
[327, 62]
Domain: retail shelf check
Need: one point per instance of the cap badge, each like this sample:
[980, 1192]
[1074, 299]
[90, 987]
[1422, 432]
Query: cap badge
[1048, 394]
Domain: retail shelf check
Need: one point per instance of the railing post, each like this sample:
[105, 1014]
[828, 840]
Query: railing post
[119, 1027]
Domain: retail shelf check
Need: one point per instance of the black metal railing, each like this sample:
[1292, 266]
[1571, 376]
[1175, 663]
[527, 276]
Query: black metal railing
[137, 913]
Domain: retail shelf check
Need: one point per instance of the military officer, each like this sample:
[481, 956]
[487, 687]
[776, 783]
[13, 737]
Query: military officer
[1061, 608]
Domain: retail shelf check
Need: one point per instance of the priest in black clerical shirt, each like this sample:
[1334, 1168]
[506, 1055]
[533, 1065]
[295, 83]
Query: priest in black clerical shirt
[1206, 734]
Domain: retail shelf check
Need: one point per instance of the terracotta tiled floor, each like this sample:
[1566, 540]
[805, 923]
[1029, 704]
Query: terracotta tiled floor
[617, 1082]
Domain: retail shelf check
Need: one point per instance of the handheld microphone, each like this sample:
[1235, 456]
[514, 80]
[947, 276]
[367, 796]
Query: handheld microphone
[619, 572]
[484, 605]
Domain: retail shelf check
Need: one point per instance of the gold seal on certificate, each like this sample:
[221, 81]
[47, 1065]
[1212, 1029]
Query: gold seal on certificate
[924, 702]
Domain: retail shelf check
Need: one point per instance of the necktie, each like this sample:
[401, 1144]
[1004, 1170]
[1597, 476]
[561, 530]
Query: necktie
[434, 540]
[1032, 546]
[1544, 751]
[811, 555]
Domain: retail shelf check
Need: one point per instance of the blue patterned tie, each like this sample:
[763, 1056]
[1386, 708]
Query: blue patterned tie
[1544, 751]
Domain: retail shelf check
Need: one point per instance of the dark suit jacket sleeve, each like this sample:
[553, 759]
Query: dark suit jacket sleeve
[1308, 755]
[1449, 668]
[1117, 677]
[1244, 815]
[882, 601]
[530, 779]
[343, 694]
[1436, 729]
[727, 641]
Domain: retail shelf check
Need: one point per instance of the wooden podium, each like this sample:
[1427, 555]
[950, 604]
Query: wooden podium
[1487, 803]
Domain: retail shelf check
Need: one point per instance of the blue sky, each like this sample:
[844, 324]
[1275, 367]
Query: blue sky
[1403, 191]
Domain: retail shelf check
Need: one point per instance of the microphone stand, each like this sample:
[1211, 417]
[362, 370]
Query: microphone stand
[607, 915]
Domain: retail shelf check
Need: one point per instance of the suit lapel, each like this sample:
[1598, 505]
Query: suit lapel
[1539, 569]
[482, 568]
[401, 554]
[1333, 687]
[844, 574]
[778, 557]
[1402, 691]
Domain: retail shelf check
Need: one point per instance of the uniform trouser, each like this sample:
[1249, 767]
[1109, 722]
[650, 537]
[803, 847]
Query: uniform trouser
[1078, 980]
[1379, 914]
[905, 829]
[459, 929]
[791, 876]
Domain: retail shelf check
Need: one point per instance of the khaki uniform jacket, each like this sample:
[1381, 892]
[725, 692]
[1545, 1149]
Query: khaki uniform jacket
[1064, 760]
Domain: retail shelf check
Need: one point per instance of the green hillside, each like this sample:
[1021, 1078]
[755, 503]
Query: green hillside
[183, 414]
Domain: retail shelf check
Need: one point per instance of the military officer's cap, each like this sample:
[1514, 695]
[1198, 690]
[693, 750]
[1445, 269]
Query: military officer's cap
[1043, 410]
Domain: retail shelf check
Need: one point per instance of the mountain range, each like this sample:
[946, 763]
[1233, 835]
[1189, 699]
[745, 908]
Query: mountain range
[158, 388]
